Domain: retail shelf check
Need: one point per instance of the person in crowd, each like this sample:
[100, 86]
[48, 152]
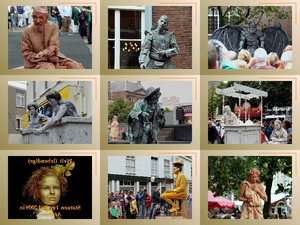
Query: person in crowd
[266, 129]
[156, 211]
[274, 60]
[148, 204]
[190, 198]
[21, 15]
[286, 59]
[241, 64]
[113, 210]
[260, 60]
[244, 55]
[212, 133]
[155, 200]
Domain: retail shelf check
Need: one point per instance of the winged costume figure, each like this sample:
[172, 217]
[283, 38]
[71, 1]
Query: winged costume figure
[234, 37]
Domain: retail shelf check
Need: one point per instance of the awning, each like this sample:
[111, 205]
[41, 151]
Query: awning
[187, 115]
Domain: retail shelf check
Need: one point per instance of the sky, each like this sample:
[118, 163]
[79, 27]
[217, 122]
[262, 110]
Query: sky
[181, 89]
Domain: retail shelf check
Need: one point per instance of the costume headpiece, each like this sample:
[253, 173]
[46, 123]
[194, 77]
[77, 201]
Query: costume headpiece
[40, 9]
[63, 171]
[151, 91]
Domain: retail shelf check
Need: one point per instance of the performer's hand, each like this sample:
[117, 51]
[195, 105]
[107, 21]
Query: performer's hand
[162, 53]
[53, 59]
[145, 115]
[249, 198]
[143, 66]
[39, 55]
[46, 52]
[38, 131]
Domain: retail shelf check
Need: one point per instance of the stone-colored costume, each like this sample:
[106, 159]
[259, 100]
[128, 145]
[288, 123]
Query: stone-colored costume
[71, 111]
[251, 210]
[155, 42]
[280, 134]
[230, 119]
[33, 42]
[180, 188]
[141, 131]
[36, 122]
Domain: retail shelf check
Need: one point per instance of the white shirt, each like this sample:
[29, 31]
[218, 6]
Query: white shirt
[65, 11]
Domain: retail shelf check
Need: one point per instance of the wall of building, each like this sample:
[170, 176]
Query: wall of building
[180, 21]
[13, 110]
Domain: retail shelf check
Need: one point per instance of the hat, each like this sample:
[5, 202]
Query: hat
[178, 162]
[40, 9]
[151, 91]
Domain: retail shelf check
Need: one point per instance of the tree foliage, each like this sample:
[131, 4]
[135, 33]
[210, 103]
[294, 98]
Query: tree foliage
[120, 109]
[168, 110]
[226, 173]
[279, 94]
[233, 14]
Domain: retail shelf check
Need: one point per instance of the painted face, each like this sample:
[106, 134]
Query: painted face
[252, 28]
[277, 126]
[254, 178]
[176, 170]
[39, 19]
[52, 101]
[50, 190]
[162, 23]
[32, 109]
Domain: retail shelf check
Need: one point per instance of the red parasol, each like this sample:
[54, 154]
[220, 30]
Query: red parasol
[219, 202]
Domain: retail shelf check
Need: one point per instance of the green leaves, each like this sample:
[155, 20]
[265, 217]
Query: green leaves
[120, 109]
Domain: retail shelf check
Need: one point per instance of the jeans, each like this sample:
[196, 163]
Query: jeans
[151, 209]
[13, 21]
[89, 32]
[141, 211]
[189, 202]
[147, 210]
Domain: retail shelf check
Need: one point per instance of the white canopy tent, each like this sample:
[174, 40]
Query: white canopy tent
[236, 92]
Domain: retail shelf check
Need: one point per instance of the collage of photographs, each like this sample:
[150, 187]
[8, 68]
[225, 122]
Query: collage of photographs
[105, 105]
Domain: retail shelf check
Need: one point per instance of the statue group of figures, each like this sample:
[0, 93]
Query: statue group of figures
[278, 136]
[61, 108]
[234, 37]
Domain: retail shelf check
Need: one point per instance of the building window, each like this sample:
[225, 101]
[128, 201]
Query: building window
[130, 165]
[20, 99]
[213, 21]
[167, 168]
[125, 35]
[154, 166]
[19, 122]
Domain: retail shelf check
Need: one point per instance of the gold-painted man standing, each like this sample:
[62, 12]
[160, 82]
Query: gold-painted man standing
[179, 191]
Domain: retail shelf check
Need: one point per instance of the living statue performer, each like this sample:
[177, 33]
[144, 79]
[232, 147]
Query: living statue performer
[252, 38]
[234, 37]
[229, 118]
[251, 193]
[62, 108]
[40, 44]
[279, 134]
[114, 128]
[146, 119]
[36, 119]
[44, 189]
[161, 46]
[179, 191]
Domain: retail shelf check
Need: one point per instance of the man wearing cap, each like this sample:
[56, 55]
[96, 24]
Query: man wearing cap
[146, 119]
[179, 191]
[161, 46]
[40, 44]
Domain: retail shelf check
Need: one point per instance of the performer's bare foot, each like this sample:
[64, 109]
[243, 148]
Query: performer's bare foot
[174, 209]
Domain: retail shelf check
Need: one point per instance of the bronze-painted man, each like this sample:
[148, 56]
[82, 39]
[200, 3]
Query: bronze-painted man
[40, 44]
[161, 46]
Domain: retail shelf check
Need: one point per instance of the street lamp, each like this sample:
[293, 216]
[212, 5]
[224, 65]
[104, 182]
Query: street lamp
[152, 179]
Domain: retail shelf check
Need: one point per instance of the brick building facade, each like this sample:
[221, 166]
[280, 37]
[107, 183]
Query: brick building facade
[180, 21]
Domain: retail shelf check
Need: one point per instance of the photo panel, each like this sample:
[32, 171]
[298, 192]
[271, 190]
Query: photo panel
[253, 185]
[250, 113]
[162, 177]
[246, 38]
[63, 37]
[150, 36]
[149, 111]
[59, 110]
[63, 185]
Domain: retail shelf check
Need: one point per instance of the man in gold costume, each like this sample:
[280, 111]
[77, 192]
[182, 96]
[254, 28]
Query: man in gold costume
[179, 191]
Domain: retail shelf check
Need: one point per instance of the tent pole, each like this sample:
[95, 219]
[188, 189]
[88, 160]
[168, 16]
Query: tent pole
[262, 109]
[240, 106]
[223, 105]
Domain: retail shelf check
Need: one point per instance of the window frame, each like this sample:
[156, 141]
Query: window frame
[117, 39]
